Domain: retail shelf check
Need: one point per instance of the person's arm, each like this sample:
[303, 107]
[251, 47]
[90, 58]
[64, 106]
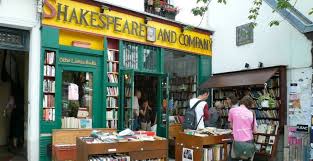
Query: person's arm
[143, 112]
[230, 119]
[206, 113]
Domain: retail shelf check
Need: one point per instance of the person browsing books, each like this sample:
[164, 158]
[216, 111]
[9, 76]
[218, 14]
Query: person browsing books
[243, 123]
[145, 115]
[137, 97]
[202, 109]
[232, 101]
[215, 113]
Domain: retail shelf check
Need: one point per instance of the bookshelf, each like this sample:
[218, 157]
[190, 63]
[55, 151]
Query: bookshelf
[48, 103]
[271, 120]
[112, 91]
[133, 150]
[181, 90]
[204, 148]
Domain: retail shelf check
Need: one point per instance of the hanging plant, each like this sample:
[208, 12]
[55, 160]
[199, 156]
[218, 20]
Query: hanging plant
[266, 100]
[157, 5]
[150, 2]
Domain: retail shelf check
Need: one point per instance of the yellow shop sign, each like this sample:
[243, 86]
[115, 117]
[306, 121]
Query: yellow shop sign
[87, 18]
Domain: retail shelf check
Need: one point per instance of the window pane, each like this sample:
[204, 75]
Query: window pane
[77, 93]
[150, 58]
[130, 55]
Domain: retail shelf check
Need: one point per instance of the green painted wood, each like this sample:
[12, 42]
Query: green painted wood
[45, 143]
[50, 37]
[205, 68]
[81, 51]
[105, 81]
[162, 130]
[45, 126]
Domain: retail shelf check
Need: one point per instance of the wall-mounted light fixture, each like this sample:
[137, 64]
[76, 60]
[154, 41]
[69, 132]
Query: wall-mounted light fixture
[247, 66]
[260, 65]
[147, 19]
[103, 8]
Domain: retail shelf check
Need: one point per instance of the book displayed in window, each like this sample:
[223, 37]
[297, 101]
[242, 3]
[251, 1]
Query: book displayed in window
[48, 100]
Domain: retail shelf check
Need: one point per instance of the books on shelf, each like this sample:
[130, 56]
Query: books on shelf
[48, 101]
[176, 119]
[268, 129]
[112, 157]
[112, 91]
[112, 78]
[127, 92]
[112, 55]
[50, 57]
[112, 102]
[272, 140]
[112, 67]
[112, 118]
[48, 86]
[264, 121]
[49, 70]
[72, 122]
[266, 114]
[215, 153]
[48, 114]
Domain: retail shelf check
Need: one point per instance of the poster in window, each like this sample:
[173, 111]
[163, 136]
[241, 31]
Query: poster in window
[187, 154]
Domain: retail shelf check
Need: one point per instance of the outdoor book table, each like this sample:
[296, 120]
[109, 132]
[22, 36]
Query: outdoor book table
[137, 150]
[197, 143]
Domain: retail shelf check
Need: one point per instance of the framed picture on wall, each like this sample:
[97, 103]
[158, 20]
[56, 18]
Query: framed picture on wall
[244, 34]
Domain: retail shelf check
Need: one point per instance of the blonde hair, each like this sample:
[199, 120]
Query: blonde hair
[218, 104]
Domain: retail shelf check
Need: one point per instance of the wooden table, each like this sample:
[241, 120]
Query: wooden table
[139, 150]
[196, 143]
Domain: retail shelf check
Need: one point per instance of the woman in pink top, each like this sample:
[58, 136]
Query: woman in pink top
[241, 120]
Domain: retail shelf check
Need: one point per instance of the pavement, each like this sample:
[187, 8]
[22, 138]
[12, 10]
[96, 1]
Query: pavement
[5, 155]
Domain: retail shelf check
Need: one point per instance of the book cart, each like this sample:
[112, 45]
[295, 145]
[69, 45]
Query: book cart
[137, 150]
[198, 143]
[270, 121]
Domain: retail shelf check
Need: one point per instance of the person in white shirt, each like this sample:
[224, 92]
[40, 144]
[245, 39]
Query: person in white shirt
[202, 109]
[137, 97]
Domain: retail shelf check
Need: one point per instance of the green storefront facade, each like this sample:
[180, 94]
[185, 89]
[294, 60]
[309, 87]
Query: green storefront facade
[91, 65]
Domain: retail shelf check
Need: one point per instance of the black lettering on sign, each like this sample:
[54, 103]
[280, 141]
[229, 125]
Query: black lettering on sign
[181, 39]
[60, 12]
[134, 28]
[117, 24]
[93, 18]
[173, 37]
[160, 35]
[142, 30]
[74, 16]
[102, 23]
[110, 20]
[83, 17]
[126, 27]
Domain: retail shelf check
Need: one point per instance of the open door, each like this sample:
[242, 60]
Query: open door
[162, 115]
[126, 114]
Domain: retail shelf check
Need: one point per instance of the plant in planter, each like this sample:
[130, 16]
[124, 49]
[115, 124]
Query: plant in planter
[150, 2]
[171, 11]
[266, 100]
[157, 5]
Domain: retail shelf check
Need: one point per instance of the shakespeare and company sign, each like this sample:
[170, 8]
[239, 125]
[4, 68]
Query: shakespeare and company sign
[87, 18]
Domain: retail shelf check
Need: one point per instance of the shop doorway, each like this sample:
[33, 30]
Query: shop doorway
[13, 106]
[148, 105]
[153, 91]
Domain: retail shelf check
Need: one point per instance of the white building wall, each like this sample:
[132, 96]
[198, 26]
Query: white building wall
[22, 14]
[282, 45]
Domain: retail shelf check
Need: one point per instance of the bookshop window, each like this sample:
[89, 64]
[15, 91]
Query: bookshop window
[182, 69]
[150, 58]
[77, 93]
[130, 55]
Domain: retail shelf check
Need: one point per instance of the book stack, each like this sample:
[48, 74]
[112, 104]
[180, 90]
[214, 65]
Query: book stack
[111, 118]
[112, 91]
[48, 101]
[48, 114]
[49, 70]
[272, 114]
[50, 58]
[113, 157]
[48, 86]
[112, 55]
[112, 78]
[268, 129]
[215, 153]
[112, 67]
[72, 122]
[112, 102]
